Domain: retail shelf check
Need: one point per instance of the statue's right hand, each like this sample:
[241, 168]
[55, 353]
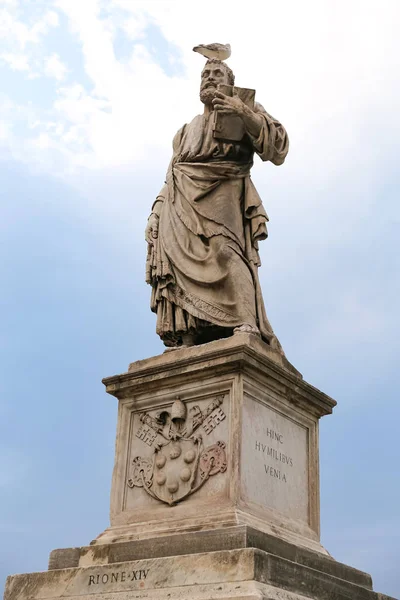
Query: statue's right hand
[151, 232]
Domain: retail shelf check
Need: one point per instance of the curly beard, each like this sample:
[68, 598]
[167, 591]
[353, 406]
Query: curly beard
[207, 94]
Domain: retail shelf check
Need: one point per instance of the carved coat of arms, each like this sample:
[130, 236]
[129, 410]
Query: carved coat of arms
[180, 464]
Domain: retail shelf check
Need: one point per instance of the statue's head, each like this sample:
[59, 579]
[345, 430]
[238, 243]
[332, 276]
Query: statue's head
[215, 71]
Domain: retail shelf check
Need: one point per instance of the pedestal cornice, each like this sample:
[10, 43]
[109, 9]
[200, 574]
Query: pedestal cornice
[240, 353]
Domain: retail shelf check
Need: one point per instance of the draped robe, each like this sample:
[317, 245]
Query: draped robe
[203, 265]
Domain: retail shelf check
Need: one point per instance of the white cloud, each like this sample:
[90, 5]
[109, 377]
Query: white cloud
[318, 74]
[4, 131]
[332, 81]
[43, 141]
[329, 79]
[16, 62]
[54, 67]
[51, 18]
[22, 36]
[14, 31]
[135, 27]
[10, 3]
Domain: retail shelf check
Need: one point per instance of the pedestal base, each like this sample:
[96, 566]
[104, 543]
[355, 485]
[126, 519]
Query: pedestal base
[249, 565]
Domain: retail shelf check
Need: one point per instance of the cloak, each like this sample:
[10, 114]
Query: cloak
[203, 267]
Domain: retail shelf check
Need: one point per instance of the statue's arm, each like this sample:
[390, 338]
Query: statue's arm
[151, 232]
[272, 142]
[253, 121]
[268, 136]
[158, 202]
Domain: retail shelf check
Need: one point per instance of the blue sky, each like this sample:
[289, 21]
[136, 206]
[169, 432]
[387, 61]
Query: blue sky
[92, 93]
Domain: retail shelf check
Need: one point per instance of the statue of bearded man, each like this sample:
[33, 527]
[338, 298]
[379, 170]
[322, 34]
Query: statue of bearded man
[206, 223]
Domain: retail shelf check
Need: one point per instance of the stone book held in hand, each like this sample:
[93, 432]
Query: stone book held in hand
[230, 127]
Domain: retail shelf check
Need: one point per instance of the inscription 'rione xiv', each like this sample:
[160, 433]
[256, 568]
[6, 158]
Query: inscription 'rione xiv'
[118, 577]
[179, 465]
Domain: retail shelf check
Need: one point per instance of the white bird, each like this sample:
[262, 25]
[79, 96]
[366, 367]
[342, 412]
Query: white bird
[220, 51]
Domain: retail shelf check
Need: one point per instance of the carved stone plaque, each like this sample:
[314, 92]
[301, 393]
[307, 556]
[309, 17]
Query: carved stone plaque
[180, 449]
[274, 461]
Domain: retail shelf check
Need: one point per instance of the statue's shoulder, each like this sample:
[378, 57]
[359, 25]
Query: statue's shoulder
[183, 131]
[176, 142]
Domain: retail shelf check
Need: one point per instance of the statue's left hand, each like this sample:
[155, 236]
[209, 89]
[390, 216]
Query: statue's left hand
[228, 104]
[151, 232]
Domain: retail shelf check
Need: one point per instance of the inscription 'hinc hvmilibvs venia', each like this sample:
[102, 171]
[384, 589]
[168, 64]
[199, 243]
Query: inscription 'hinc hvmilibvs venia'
[273, 455]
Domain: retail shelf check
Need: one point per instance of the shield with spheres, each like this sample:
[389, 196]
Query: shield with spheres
[180, 465]
[176, 462]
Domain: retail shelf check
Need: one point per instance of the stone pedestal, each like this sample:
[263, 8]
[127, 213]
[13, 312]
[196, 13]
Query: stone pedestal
[246, 411]
[215, 490]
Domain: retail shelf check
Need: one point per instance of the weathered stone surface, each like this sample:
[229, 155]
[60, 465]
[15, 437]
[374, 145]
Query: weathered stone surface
[219, 352]
[250, 425]
[274, 460]
[208, 219]
[231, 538]
[64, 558]
[175, 450]
[217, 570]
[246, 590]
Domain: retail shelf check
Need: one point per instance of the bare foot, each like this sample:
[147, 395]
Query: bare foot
[187, 340]
[247, 328]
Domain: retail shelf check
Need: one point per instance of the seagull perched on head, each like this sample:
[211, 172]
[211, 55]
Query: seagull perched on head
[220, 51]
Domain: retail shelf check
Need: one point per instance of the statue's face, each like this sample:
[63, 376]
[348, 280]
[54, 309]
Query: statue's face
[212, 75]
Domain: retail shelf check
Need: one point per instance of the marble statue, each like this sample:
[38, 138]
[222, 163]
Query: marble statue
[208, 218]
